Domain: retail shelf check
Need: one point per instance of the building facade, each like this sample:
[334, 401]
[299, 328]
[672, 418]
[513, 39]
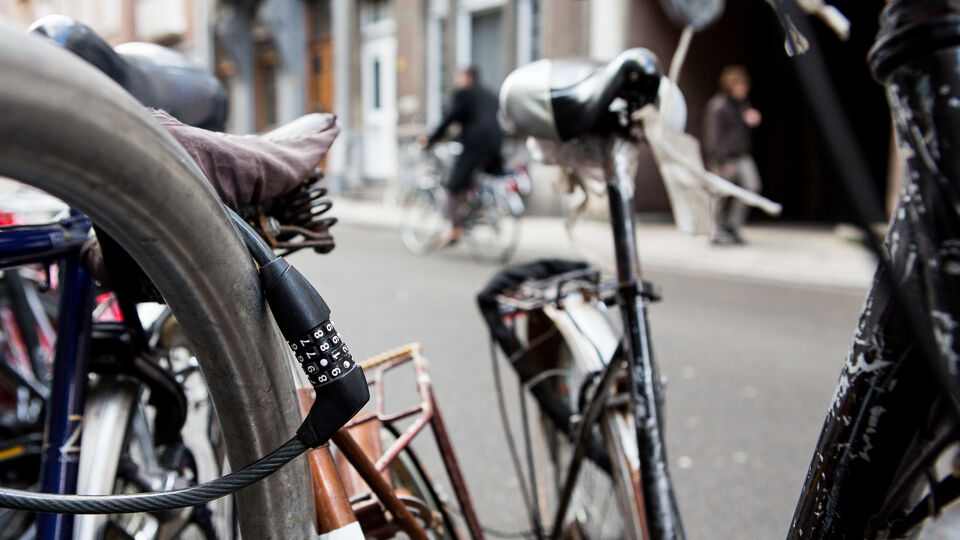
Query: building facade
[385, 67]
[185, 25]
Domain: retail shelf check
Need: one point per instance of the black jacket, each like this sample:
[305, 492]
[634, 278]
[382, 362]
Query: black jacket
[725, 135]
[475, 109]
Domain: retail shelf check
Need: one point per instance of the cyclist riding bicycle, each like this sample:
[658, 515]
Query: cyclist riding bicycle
[475, 109]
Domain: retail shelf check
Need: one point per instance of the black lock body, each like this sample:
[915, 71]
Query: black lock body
[304, 320]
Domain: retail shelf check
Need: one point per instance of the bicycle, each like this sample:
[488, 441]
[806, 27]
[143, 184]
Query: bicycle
[200, 259]
[491, 211]
[882, 467]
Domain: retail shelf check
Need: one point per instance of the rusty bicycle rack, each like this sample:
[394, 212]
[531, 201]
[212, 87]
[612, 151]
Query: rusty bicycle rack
[364, 484]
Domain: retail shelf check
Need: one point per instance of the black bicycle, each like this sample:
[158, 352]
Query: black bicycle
[884, 466]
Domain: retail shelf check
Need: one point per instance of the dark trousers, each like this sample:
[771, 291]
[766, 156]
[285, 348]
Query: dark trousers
[742, 171]
[462, 175]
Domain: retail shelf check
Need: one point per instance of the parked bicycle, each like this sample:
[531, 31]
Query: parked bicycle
[884, 466]
[491, 210]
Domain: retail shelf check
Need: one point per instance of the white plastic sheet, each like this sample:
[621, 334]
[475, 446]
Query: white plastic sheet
[694, 192]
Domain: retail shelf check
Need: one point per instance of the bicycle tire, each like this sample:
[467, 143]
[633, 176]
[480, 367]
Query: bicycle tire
[409, 474]
[72, 132]
[606, 503]
[423, 220]
[603, 504]
[493, 236]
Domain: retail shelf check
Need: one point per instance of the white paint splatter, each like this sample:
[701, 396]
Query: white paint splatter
[943, 331]
[875, 413]
[854, 369]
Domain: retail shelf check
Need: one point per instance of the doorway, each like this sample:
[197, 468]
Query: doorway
[486, 46]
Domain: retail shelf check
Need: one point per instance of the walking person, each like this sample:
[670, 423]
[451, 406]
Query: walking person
[728, 121]
[475, 109]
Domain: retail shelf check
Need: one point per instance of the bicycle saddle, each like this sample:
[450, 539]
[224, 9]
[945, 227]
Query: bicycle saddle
[158, 77]
[562, 99]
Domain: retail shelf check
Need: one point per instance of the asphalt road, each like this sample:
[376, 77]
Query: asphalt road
[751, 369]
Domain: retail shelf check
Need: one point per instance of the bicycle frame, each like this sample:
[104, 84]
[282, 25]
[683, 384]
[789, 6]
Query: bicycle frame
[60, 242]
[901, 367]
[662, 513]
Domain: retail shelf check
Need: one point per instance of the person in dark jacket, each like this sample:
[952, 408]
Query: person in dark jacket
[475, 109]
[728, 120]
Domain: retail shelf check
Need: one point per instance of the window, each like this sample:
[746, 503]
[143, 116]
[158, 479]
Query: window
[376, 83]
[270, 94]
[377, 11]
[320, 19]
[445, 67]
[534, 29]
[486, 47]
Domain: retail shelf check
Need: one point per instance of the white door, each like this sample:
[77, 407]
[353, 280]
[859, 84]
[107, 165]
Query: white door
[379, 89]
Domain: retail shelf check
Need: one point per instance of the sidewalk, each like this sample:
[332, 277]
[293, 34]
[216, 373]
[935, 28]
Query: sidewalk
[801, 255]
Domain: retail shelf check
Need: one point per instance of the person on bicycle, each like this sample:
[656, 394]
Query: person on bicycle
[728, 119]
[475, 108]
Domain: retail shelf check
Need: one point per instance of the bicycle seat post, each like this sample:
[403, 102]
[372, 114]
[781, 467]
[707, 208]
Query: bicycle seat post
[620, 170]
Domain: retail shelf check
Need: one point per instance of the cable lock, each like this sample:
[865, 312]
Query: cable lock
[341, 391]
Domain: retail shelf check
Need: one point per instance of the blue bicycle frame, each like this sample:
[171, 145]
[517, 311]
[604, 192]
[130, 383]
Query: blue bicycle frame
[61, 243]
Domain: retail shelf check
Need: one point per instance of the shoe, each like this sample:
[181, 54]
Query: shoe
[451, 238]
[735, 237]
[721, 240]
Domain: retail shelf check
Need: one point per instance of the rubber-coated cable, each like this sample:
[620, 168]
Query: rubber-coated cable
[148, 502]
[259, 249]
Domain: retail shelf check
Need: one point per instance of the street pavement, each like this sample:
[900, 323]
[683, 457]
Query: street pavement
[798, 254]
[751, 340]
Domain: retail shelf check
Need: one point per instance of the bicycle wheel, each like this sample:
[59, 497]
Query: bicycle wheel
[604, 503]
[417, 490]
[124, 457]
[424, 220]
[494, 230]
[112, 161]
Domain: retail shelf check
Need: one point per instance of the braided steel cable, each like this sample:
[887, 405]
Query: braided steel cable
[149, 502]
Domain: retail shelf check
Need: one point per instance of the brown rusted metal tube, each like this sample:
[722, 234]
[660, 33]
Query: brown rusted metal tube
[453, 471]
[406, 438]
[354, 454]
[331, 505]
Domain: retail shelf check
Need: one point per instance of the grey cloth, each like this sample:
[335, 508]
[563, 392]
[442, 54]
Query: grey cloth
[245, 170]
[732, 213]
[725, 135]
[248, 170]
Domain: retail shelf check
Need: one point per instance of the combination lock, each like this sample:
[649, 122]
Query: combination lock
[304, 320]
[322, 354]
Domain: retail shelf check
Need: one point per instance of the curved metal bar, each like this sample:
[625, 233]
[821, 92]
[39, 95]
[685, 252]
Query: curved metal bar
[73, 132]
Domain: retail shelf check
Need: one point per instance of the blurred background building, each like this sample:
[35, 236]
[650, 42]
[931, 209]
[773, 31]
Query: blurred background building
[385, 67]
